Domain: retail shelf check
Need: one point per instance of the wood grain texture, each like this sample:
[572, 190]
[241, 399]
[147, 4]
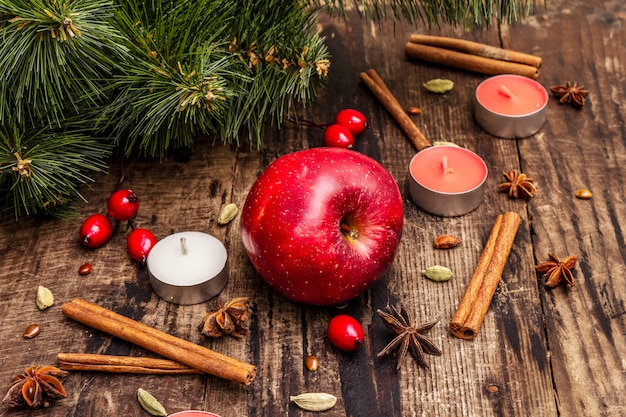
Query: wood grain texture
[539, 352]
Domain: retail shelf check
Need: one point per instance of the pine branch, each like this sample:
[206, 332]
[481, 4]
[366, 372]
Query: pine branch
[229, 69]
[466, 13]
[53, 55]
[41, 170]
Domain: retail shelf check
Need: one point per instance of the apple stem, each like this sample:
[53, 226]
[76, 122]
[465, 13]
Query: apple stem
[348, 231]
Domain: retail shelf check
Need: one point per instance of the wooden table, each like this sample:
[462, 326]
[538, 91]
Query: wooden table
[540, 352]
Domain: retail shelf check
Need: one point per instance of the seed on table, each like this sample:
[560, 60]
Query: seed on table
[583, 194]
[311, 363]
[84, 269]
[32, 330]
[414, 110]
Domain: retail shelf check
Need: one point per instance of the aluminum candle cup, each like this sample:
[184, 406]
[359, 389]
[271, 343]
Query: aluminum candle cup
[510, 106]
[188, 267]
[447, 180]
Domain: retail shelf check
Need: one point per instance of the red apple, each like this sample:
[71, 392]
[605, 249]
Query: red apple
[322, 225]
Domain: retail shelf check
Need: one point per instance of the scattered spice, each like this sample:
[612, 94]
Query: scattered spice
[446, 242]
[556, 270]
[37, 386]
[32, 330]
[518, 185]
[437, 273]
[413, 110]
[584, 194]
[44, 298]
[227, 214]
[314, 401]
[439, 85]
[230, 319]
[492, 388]
[311, 363]
[85, 269]
[150, 404]
[407, 338]
[570, 94]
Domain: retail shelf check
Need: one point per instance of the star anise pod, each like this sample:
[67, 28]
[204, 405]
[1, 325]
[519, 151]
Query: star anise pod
[556, 270]
[38, 385]
[408, 338]
[230, 319]
[518, 185]
[570, 93]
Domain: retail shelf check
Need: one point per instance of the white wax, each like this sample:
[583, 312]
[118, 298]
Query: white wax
[205, 258]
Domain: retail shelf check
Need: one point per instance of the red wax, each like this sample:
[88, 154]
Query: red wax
[193, 413]
[448, 169]
[512, 95]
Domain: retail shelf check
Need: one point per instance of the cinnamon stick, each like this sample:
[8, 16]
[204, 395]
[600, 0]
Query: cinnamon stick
[122, 364]
[376, 84]
[473, 307]
[171, 347]
[476, 48]
[468, 61]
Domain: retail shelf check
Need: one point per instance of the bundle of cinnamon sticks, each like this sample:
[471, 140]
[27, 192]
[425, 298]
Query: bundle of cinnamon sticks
[183, 357]
[472, 56]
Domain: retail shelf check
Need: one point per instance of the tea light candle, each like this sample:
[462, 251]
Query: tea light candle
[511, 106]
[193, 413]
[447, 180]
[187, 267]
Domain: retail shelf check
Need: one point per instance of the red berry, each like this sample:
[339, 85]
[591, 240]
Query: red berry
[353, 120]
[123, 205]
[338, 136]
[95, 230]
[345, 332]
[139, 243]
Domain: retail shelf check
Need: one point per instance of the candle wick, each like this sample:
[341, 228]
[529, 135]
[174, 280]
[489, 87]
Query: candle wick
[444, 164]
[183, 245]
[506, 92]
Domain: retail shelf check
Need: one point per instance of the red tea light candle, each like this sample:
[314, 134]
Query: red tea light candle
[188, 267]
[511, 106]
[193, 413]
[447, 180]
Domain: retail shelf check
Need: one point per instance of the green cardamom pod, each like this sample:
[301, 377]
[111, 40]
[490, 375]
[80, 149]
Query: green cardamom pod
[150, 404]
[44, 298]
[439, 85]
[437, 273]
[228, 213]
[314, 401]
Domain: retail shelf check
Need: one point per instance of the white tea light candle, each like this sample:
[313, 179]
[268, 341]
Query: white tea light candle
[188, 267]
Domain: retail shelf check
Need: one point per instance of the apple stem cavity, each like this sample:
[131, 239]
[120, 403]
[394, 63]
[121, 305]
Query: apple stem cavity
[349, 231]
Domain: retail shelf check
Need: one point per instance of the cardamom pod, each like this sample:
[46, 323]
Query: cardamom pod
[444, 143]
[437, 273]
[439, 85]
[44, 298]
[150, 404]
[314, 401]
[228, 213]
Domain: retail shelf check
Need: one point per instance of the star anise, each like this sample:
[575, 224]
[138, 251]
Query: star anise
[38, 385]
[557, 270]
[570, 93]
[518, 185]
[230, 319]
[407, 338]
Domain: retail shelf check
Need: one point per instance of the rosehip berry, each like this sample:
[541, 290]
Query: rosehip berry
[338, 136]
[345, 332]
[95, 230]
[139, 243]
[123, 205]
[353, 120]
